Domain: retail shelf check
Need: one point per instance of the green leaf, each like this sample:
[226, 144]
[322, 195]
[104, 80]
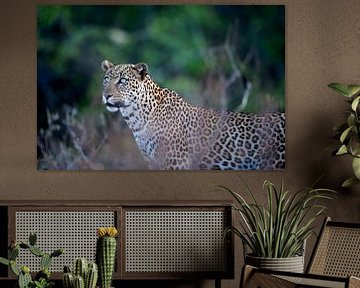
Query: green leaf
[356, 167]
[351, 120]
[4, 261]
[349, 182]
[353, 89]
[354, 145]
[355, 103]
[345, 134]
[340, 88]
[342, 150]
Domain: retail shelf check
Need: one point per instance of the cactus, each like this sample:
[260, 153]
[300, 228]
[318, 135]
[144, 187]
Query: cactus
[13, 253]
[105, 254]
[24, 245]
[25, 269]
[32, 238]
[89, 272]
[91, 276]
[80, 267]
[68, 280]
[36, 251]
[67, 269]
[57, 253]
[79, 282]
[24, 278]
[45, 261]
[44, 273]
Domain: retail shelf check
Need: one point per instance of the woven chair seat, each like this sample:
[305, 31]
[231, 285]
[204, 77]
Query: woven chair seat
[314, 282]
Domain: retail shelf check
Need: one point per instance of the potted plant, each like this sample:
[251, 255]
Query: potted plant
[106, 254]
[87, 274]
[42, 278]
[276, 233]
[84, 274]
[349, 132]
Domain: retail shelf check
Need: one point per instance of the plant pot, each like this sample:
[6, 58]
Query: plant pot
[291, 264]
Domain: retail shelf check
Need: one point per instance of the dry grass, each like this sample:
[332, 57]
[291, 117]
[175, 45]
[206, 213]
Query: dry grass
[78, 141]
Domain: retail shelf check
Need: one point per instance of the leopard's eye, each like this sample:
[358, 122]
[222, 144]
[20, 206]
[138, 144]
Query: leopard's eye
[106, 80]
[122, 81]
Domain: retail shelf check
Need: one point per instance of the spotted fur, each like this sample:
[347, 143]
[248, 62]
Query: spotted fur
[172, 134]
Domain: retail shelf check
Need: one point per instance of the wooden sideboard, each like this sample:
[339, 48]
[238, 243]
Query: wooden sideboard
[157, 240]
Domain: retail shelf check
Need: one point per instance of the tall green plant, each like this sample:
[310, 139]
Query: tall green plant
[106, 254]
[349, 131]
[279, 229]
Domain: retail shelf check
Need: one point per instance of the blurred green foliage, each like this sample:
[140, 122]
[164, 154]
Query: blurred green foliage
[192, 49]
[173, 40]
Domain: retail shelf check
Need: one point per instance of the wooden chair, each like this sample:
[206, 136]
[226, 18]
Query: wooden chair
[334, 263]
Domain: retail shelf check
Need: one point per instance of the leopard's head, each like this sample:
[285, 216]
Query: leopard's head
[123, 84]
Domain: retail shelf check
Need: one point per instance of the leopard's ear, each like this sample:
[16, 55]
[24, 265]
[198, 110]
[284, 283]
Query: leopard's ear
[106, 65]
[141, 69]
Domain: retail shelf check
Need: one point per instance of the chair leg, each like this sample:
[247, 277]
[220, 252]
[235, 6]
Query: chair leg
[217, 283]
[246, 274]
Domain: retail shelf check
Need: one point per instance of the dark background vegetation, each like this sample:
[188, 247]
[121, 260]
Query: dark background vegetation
[223, 57]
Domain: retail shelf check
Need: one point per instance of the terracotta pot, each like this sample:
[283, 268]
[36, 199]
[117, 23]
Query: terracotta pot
[291, 264]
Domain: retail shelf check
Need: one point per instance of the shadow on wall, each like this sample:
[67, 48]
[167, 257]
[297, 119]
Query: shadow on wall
[330, 171]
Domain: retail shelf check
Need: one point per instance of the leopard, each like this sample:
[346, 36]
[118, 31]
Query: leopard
[173, 134]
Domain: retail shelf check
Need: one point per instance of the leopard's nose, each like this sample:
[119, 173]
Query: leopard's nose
[108, 96]
[105, 98]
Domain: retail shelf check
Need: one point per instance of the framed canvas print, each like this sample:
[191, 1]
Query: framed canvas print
[161, 87]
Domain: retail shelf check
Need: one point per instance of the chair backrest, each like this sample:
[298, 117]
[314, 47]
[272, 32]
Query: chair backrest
[337, 251]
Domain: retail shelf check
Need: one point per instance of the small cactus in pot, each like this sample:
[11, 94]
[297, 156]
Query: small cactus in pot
[106, 254]
[68, 278]
[91, 275]
[85, 275]
[80, 267]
